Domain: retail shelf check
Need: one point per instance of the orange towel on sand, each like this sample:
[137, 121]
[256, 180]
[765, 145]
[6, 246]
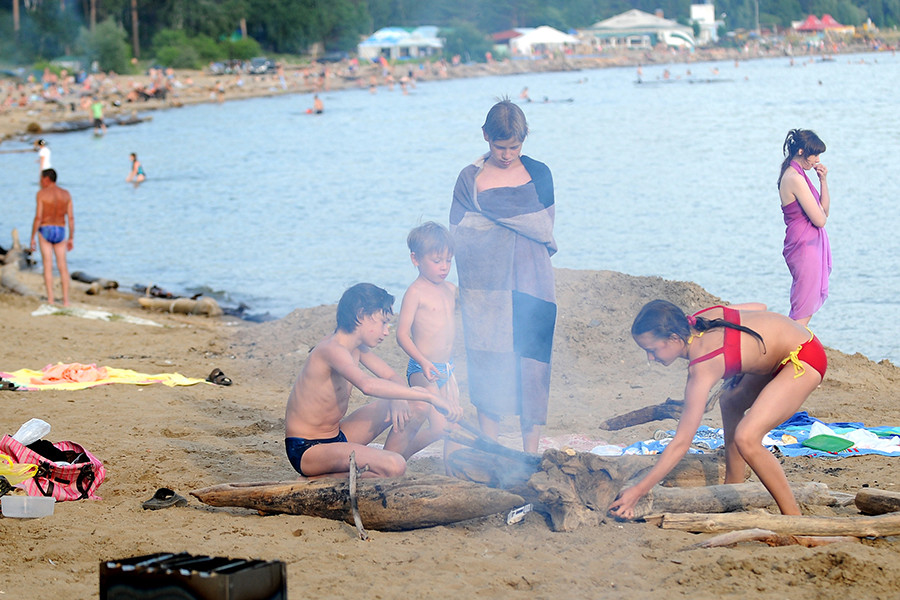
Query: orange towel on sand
[74, 372]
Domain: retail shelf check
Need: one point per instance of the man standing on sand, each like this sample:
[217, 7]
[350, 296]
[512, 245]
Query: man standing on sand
[54, 207]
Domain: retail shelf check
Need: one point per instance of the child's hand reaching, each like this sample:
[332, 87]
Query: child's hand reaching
[623, 507]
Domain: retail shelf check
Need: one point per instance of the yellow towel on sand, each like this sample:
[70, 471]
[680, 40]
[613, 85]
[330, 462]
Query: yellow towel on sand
[76, 376]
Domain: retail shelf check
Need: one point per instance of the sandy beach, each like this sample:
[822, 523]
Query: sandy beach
[190, 437]
[187, 438]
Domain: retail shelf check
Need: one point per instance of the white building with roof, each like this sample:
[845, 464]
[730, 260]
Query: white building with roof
[401, 43]
[637, 29]
[541, 40]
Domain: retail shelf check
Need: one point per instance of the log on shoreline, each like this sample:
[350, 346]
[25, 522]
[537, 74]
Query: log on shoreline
[85, 124]
[187, 306]
[879, 526]
[385, 504]
[13, 262]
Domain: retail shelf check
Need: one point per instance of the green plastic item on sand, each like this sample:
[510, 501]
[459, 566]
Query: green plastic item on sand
[827, 443]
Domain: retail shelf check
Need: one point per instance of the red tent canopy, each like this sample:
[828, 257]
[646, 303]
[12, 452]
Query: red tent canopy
[828, 22]
[812, 23]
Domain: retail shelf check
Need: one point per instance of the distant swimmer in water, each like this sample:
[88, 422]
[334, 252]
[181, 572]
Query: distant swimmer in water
[318, 107]
[524, 94]
[137, 174]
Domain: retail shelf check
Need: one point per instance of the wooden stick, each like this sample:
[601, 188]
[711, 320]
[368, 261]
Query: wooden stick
[363, 535]
[880, 526]
[771, 538]
[479, 441]
[670, 409]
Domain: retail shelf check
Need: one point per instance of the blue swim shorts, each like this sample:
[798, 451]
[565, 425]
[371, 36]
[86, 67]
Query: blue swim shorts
[295, 447]
[53, 233]
[445, 370]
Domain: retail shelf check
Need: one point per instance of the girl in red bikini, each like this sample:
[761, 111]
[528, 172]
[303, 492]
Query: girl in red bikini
[751, 345]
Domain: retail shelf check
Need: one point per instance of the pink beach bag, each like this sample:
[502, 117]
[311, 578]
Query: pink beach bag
[64, 482]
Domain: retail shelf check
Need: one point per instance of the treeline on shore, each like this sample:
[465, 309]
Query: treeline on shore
[191, 33]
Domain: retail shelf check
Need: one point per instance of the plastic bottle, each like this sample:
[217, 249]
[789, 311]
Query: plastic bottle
[32, 431]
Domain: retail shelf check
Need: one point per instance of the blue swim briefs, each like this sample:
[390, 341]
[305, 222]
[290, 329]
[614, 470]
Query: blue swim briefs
[295, 447]
[53, 233]
[445, 370]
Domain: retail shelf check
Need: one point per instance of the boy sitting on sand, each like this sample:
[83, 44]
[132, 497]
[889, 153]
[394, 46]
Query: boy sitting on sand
[318, 436]
[426, 327]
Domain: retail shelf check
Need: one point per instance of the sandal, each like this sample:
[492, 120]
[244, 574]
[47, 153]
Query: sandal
[164, 498]
[218, 377]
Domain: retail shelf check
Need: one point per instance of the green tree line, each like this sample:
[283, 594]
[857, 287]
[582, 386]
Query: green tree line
[191, 32]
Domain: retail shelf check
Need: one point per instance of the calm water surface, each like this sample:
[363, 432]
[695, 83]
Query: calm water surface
[261, 203]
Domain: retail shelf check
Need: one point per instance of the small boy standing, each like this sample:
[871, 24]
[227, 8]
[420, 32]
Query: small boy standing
[318, 436]
[426, 327]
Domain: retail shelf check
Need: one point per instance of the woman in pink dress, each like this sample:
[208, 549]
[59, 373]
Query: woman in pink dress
[806, 248]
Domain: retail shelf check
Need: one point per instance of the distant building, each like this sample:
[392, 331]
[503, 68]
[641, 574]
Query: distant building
[637, 29]
[401, 43]
[704, 15]
[531, 41]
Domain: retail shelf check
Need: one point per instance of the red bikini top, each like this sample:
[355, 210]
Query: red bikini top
[731, 348]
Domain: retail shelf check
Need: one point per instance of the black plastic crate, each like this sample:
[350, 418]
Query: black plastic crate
[167, 576]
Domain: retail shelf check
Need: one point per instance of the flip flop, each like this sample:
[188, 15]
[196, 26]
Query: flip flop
[218, 377]
[164, 498]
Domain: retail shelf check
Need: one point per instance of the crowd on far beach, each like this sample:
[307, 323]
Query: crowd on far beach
[37, 99]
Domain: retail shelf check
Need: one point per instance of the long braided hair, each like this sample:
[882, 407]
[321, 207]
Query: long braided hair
[662, 319]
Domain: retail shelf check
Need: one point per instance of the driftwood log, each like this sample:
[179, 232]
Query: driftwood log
[395, 504]
[188, 306]
[878, 526]
[575, 488]
[728, 498]
[670, 409]
[84, 124]
[495, 471]
[96, 284]
[773, 539]
[877, 502]
[13, 263]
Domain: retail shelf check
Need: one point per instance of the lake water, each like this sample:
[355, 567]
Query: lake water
[263, 204]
